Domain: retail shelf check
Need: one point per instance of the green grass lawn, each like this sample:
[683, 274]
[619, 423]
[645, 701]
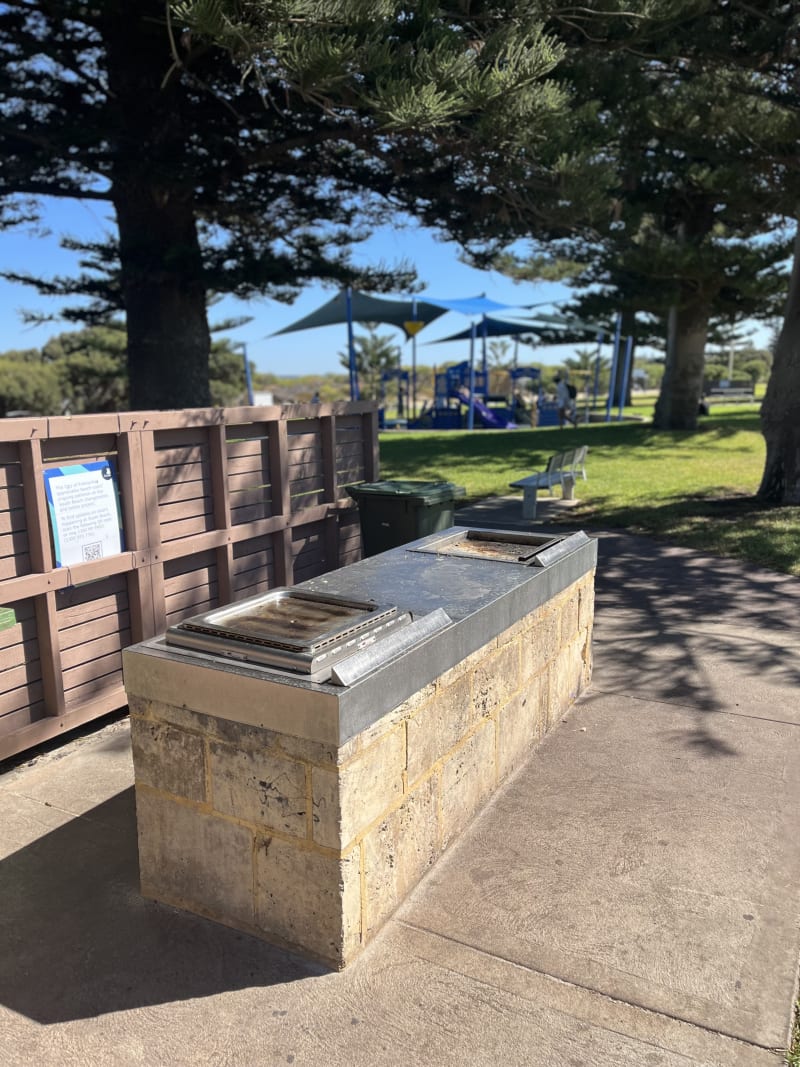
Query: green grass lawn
[693, 488]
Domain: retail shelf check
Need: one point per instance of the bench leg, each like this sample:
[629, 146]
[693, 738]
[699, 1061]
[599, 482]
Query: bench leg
[529, 502]
[568, 487]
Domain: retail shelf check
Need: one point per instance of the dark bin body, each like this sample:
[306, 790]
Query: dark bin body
[394, 513]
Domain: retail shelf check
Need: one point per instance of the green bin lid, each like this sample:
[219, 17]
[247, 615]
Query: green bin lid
[416, 492]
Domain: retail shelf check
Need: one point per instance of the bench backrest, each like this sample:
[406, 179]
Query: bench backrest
[573, 460]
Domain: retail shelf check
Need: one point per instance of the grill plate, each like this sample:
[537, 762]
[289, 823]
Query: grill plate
[505, 546]
[288, 629]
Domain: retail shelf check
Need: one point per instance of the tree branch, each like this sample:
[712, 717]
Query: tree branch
[59, 191]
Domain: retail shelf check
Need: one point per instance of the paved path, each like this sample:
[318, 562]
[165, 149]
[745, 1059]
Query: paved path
[630, 897]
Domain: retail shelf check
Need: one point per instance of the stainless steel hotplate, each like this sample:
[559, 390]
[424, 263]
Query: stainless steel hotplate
[289, 629]
[505, 546]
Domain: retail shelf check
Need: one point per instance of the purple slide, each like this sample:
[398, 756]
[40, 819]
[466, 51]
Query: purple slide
[493, 419]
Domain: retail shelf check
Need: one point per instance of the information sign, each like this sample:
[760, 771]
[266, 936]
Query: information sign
[84, 512]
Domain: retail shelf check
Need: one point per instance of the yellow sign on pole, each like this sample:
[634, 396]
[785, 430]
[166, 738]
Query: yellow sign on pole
[413, 328]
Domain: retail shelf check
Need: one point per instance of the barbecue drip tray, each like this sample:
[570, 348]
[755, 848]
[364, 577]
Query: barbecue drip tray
[503, 546]
[290, 630]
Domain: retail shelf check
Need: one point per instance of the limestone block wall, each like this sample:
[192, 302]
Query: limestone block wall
[313, 846]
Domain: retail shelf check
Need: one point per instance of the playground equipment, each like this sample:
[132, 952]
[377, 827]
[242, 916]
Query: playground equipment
[465, 385]
[546, 411]
[458, 389]
[403, 379]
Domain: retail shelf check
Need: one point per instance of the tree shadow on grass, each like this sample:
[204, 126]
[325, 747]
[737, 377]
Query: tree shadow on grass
[487, 460]
[735, 526]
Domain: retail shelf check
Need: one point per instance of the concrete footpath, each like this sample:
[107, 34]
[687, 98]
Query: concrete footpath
[630, 897]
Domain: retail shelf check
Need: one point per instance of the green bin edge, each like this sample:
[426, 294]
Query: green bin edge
[416, 492]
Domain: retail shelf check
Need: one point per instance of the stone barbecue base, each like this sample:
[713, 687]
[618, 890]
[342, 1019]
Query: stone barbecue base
[311, 845]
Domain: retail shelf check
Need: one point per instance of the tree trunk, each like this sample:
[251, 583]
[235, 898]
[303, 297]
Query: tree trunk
[682, 384]
[164, 296]
[780, 412]
[161, 270]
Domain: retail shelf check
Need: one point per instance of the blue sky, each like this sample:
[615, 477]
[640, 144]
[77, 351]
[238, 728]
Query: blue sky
[308, 352]
[37, 250]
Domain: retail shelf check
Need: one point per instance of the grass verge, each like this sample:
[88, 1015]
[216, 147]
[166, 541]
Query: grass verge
[792, 1056]
[693, 488]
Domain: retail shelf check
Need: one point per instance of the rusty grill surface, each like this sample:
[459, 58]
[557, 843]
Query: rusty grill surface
[288, 628]
[488, 548]
[505, 546]
[287, 620]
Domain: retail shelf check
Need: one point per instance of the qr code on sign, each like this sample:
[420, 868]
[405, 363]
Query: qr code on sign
[94, 551]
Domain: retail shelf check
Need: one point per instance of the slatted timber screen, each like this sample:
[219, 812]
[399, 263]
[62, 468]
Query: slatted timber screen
[217, 505]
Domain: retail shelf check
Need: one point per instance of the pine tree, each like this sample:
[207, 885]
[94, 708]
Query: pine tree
[692, 238]
[245, 146]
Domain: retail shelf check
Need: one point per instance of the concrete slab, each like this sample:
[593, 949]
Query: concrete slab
[655, 1039]
[631, 897]
[709, 666]
[507, 510]
[652, 858]
[678, 586]
[425, 1004]
[100, 976]
[696, 631]
[92, 776]
[25, 821]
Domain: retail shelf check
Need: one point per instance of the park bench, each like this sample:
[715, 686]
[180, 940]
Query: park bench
[562, 469]
[732, 387]
[731, 390]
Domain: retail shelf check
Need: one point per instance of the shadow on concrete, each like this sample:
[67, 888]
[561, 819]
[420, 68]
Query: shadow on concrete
[747, 617]
[697, 736]
[79, 941]
[679, 627]
[506, 512]
[730, 526]
[696, 631]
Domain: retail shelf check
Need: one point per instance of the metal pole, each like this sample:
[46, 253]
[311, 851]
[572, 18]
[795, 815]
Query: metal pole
[351, 345]
[626, 374]
[614, 361]
[414, 360]
[597, 368]
[484, 364]
[247, 376]
[471, 411]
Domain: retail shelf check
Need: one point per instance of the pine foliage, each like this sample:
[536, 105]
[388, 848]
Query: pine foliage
[246, 145]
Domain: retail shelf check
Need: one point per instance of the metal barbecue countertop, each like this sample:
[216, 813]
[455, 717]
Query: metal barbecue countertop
[483, 597]
[420, 582]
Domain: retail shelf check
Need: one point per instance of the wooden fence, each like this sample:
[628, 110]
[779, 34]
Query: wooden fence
[217, 505]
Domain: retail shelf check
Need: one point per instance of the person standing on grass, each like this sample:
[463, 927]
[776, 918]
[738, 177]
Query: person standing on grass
[566, 412]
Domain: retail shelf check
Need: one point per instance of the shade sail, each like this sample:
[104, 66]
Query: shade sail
[366, 309]
[473, 305]
[491, 328]
[561, 322]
